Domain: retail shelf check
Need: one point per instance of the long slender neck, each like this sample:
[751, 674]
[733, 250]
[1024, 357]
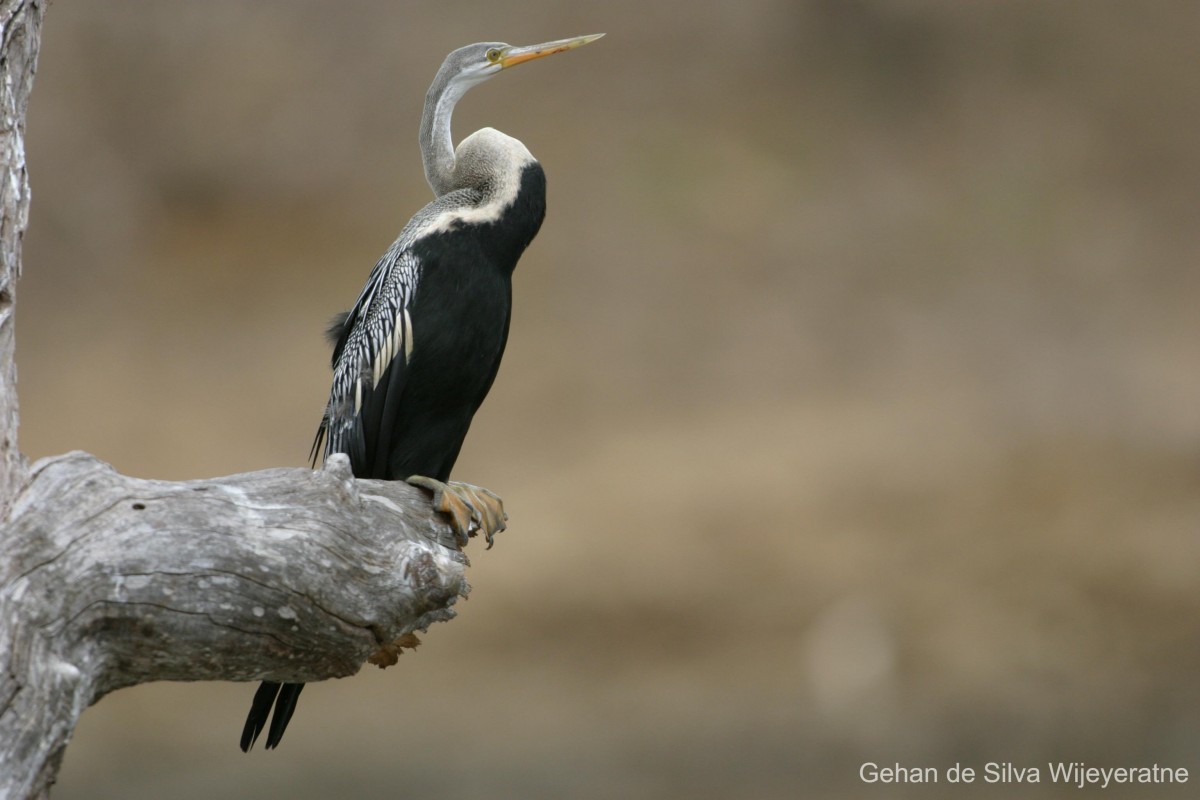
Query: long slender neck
[437, 147]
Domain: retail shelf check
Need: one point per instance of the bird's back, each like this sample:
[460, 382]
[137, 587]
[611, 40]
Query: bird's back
[423, 348]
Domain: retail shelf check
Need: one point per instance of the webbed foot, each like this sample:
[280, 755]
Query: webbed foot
[472, 509]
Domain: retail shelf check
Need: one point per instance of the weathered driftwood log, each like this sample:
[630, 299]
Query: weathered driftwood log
[286, 574]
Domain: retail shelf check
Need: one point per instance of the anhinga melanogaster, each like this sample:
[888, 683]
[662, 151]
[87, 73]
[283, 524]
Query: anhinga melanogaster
[416, 355]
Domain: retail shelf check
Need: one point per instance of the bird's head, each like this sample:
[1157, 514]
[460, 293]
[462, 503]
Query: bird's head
[475, 63]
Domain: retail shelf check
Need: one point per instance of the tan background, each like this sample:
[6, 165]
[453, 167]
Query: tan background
[851, 411]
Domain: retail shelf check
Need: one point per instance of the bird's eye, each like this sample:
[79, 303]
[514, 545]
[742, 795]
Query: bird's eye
[493, 55]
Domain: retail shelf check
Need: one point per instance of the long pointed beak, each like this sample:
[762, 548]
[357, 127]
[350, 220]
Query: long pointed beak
[519, 55]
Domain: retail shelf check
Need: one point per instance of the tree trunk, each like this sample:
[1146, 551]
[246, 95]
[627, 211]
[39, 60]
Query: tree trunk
[20, 35]
[108, 581]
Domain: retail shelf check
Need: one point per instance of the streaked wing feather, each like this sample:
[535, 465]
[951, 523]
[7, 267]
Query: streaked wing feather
[370, 370]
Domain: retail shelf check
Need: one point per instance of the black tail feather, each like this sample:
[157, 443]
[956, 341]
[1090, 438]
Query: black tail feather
[260, 709]
[285, 706]
[283, 697]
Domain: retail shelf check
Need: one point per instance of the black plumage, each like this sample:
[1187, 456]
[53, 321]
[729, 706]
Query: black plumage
[414, 420]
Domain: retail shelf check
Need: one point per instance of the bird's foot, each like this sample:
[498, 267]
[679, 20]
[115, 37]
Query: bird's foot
[472, 509]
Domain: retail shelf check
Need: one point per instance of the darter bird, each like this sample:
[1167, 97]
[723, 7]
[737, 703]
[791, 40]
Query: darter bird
[416, 355]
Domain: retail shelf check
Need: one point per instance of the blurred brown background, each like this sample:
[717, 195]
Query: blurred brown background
[851, 410]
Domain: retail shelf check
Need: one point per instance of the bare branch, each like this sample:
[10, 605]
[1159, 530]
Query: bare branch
[284, 574]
